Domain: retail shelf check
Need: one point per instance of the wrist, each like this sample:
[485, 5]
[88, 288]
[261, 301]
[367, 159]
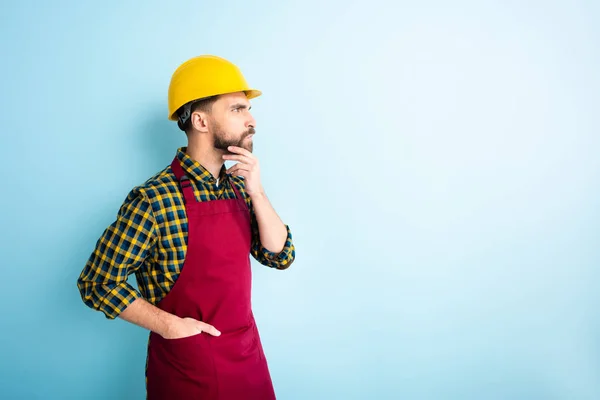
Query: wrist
[258, 195]
[168, 325]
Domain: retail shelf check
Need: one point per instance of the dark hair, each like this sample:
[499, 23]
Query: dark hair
[184, 112]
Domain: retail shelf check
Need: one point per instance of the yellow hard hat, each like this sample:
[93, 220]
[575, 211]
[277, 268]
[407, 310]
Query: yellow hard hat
[205, 76]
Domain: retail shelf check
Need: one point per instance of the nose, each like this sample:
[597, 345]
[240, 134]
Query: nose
[250, 122]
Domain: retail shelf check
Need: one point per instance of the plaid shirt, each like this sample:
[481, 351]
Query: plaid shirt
[149, 238]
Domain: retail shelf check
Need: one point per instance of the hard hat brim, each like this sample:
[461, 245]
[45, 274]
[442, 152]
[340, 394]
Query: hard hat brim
[250, 94]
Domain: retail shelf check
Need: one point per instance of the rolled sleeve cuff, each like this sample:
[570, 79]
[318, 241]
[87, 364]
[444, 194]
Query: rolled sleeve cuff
[285, 257]
[117, 300]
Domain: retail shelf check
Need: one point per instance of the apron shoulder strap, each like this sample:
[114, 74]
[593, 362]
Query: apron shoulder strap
[184, 181]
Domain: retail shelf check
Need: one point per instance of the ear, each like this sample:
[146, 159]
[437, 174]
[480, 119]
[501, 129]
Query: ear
[199, 121]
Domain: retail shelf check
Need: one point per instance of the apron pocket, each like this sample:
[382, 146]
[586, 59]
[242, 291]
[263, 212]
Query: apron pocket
[181, 340]
[190, 357]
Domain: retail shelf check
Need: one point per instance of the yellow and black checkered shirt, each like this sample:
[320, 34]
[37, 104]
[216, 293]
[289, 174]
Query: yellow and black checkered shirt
[149, 238]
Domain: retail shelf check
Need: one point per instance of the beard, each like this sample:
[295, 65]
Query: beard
[222, 141]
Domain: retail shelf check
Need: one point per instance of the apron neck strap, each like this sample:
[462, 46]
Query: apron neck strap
[238, 195]
[184, 181]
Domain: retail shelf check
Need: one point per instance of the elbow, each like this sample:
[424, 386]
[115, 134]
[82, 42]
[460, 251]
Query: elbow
[287, 261]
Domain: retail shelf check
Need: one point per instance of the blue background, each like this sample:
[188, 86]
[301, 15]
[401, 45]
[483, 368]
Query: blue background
[438, 163]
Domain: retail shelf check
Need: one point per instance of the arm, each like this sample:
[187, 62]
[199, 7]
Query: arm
[121, 251]
[271, 240]
[273, 233]
[146, 315]
[281, 257]
[167, 325]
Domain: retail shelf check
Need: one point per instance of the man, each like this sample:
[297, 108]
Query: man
[187, 234]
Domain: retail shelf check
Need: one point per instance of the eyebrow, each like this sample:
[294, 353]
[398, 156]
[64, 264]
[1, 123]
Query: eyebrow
[240, 105]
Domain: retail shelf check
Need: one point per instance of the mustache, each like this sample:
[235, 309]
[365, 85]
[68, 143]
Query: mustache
[250, 131]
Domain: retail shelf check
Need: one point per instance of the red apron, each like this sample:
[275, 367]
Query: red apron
[214, 287]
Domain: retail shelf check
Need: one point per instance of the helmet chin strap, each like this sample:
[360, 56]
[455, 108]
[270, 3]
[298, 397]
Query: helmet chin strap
[185, 115]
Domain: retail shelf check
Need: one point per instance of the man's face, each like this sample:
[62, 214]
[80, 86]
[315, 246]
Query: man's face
[231, 123]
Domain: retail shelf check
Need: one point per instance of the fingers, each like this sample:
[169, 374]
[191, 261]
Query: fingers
[204, 327]
[240, 154]
[243, 159]
[238, 168]
[240, 150]
[240, 173]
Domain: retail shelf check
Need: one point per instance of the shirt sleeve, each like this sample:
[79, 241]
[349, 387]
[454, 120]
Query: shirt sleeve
[120, 251]
[281, 260]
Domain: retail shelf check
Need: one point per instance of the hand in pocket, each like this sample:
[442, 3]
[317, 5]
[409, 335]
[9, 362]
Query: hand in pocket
[185, 327]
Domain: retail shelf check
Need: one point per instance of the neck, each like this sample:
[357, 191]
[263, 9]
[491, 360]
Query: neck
[205, 153]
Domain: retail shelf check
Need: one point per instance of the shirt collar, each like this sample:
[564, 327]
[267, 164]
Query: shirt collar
[194, 170]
